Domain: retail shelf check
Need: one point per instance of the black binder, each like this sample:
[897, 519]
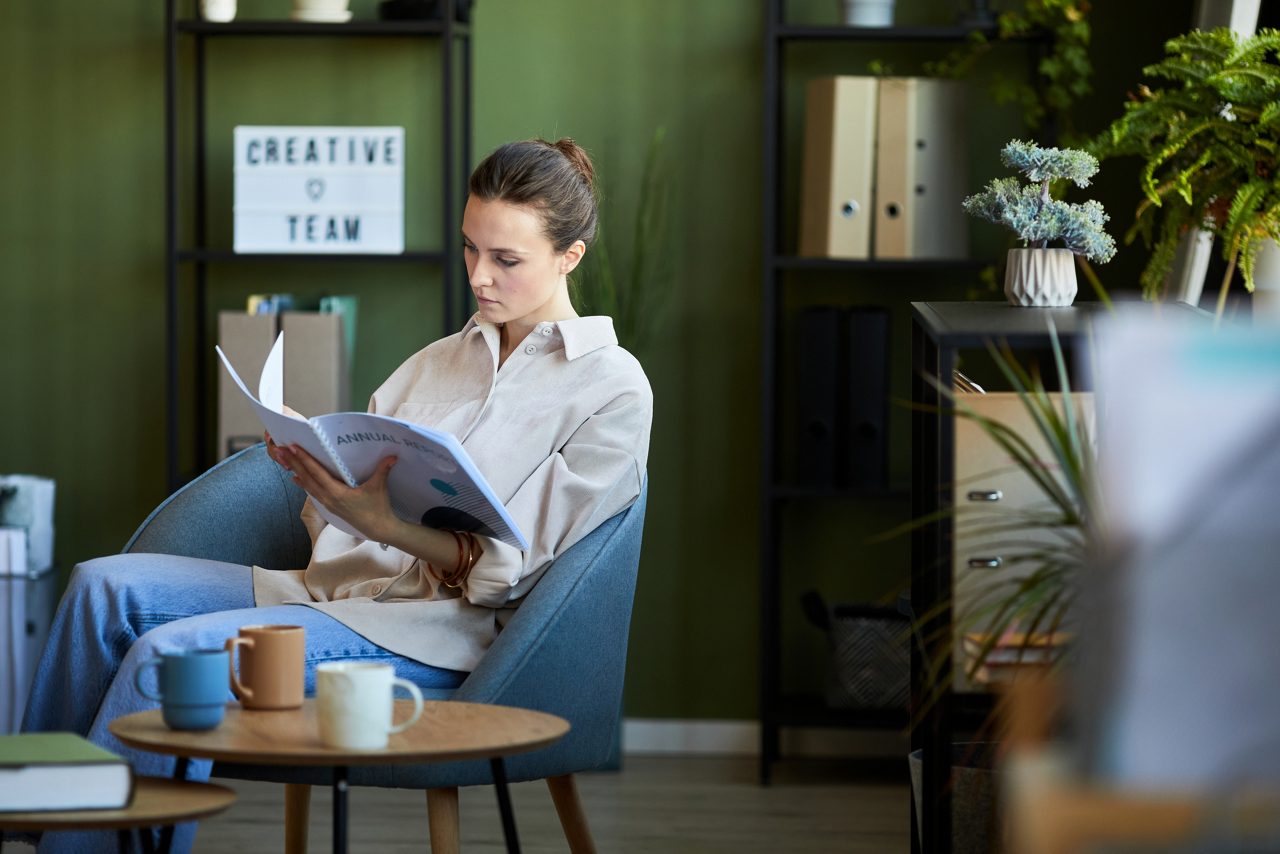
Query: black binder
[820, 406]
[866, 445]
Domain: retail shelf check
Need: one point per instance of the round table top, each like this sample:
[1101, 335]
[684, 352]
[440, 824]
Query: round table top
[156, 801]
[447, 731]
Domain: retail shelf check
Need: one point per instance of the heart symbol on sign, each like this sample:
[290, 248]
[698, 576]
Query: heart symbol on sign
[315, 188]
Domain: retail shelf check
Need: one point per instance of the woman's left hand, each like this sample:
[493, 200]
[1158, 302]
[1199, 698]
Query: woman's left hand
[367, 507]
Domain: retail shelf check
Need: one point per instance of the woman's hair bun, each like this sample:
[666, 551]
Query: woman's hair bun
[576, 155]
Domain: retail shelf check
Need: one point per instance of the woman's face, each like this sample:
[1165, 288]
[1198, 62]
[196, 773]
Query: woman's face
[515, 272]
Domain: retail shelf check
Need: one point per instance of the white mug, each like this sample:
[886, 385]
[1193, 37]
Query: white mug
[354, 703]
[221, 11]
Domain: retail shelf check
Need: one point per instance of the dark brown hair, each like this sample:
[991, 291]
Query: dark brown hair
[555, 178]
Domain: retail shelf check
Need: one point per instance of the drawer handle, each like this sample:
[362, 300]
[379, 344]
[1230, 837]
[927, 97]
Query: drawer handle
[986, 495]
[985, 563]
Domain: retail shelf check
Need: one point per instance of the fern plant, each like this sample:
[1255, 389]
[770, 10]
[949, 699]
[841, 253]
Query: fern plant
[1208, 128]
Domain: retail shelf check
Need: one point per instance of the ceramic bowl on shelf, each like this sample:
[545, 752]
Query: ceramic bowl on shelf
[321, 17]
[321, 11]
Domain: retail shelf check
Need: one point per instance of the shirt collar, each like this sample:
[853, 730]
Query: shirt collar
[581, 335]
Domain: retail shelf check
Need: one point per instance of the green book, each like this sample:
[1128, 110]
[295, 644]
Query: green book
[46, 771]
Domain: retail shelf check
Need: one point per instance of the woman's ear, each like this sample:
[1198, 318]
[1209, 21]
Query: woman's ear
[569, 260]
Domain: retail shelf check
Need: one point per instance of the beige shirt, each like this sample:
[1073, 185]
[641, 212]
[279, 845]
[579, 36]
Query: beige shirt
[561, 432]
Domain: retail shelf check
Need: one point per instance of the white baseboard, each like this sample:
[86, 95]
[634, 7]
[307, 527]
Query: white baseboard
[658, 736]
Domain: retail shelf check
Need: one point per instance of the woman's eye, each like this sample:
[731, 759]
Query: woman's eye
[508, 262]
[467, 247]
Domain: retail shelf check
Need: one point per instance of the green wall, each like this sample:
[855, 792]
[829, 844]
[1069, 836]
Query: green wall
[81, 266]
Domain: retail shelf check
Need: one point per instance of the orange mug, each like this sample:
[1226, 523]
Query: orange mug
[271, 666]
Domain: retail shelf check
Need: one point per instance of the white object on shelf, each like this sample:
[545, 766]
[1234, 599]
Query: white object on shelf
[219, 11]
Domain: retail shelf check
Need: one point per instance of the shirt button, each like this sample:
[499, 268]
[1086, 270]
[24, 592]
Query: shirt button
[546, 330]
[377, 588]
[531, 349]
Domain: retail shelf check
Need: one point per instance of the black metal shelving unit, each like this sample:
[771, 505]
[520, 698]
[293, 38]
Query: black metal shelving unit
[454, 38]
[780, 271]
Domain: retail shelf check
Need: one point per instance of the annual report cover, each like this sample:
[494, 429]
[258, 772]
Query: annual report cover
[434, 482]
[49, 771]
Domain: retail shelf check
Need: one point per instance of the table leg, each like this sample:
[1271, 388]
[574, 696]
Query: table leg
[147, 841]
[504, 805]
[340, 810]
[124, 841]
[180, 768]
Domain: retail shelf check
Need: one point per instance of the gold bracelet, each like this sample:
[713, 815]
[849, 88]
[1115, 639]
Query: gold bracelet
[473, 556]
[461, 572]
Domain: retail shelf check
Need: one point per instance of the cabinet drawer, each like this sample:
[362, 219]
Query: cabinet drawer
[991, 491]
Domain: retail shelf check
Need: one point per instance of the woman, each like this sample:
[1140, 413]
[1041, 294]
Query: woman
[553, 412]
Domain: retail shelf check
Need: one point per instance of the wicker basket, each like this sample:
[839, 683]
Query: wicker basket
[870, 654]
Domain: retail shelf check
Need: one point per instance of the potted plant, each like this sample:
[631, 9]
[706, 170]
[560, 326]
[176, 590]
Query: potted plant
[1039, 274]
[1208, 129]
[637, 295]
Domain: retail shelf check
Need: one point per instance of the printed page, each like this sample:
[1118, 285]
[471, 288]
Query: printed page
[434, 482]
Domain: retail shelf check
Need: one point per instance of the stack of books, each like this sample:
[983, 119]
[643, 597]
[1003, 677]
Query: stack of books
[1014, 654]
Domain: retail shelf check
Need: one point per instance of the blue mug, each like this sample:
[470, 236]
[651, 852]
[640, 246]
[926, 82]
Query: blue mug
[194, 687]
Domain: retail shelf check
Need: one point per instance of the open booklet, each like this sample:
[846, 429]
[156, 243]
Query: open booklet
[434, 482]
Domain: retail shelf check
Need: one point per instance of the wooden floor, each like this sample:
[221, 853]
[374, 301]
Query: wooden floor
[655, 804]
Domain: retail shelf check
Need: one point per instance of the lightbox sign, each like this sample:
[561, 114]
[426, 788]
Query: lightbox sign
[319, 189]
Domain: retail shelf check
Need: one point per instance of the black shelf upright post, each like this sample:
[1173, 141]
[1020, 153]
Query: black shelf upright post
[449, 238]
[171, 243]
[770, 584]
[200, 214]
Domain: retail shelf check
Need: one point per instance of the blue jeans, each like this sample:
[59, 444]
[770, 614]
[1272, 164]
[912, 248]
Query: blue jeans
[118, 612]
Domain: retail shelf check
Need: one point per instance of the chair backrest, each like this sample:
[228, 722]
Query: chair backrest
[243, 510]
[563, 651]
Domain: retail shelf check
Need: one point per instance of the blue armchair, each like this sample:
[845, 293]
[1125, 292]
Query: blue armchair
[563, 651]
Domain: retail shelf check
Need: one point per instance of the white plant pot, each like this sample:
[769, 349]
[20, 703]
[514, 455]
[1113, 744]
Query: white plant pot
[1266, 285]
[1040, 277]
[867, 13]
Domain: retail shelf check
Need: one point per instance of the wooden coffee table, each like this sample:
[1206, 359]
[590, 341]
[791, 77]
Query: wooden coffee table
[157, 802]
[446, 732]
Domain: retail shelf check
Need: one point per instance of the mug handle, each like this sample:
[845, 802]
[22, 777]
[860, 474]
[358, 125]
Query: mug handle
[242, 691]
[417, 704]
[137, 678]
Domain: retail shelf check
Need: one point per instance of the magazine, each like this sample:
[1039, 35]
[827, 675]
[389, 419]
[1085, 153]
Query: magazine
[434, 481]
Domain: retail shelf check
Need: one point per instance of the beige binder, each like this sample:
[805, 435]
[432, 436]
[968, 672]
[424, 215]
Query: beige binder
[921, 158]
[838, 167]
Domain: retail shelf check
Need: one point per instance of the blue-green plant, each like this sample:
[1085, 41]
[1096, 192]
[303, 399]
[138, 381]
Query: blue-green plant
[1030, 211]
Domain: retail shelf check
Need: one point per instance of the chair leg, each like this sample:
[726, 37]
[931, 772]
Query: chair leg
[297, 812]
[564, 792]
[442, 820]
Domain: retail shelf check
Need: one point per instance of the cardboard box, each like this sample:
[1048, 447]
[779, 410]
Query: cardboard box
[246, 339]
[317, 372]
[317, 375]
